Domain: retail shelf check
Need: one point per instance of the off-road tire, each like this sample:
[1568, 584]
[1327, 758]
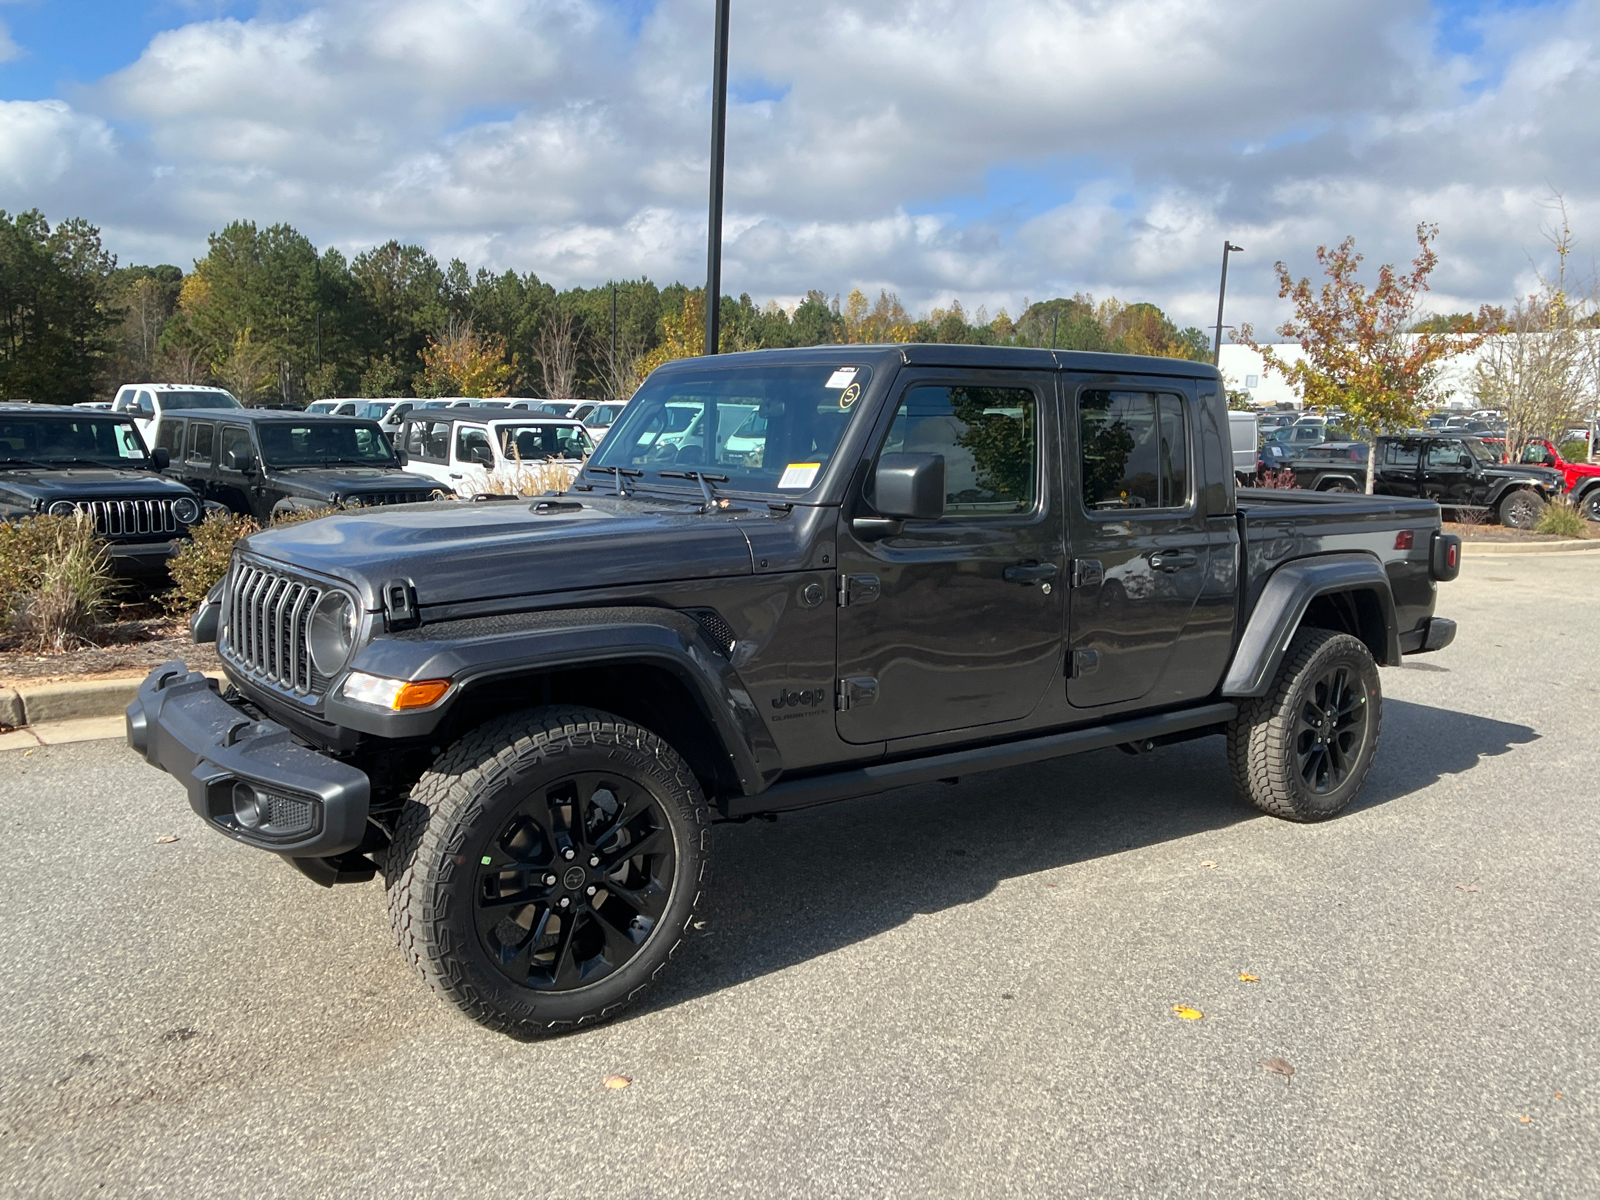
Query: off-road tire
[1520, 509]
[1264, 739]
[457, 808]
[1589, 505]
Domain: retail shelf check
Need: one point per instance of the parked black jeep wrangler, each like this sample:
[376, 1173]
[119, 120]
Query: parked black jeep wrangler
[921, 562]
[74, 460]
[262, 462]
[1455, 469]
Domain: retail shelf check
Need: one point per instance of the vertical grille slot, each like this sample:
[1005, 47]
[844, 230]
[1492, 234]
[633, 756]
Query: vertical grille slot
[267, 618]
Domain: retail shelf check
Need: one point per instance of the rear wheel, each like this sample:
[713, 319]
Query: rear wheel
[546, 867]
[1521, 509]
[1303, 751]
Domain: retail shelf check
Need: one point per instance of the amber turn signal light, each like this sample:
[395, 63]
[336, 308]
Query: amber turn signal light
[420, 693]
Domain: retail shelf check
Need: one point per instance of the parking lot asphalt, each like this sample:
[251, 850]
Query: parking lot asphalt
[948, 991]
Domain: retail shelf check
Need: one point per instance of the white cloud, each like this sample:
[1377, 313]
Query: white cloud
[547, 135]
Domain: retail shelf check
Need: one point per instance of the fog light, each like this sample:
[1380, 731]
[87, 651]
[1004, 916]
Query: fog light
[247, 806]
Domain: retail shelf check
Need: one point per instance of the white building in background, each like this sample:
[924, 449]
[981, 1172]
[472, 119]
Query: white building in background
[1244, 371]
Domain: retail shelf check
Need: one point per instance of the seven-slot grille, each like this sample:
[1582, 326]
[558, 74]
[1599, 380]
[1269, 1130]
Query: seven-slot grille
[367, 498]
[131, 518]
[267, 618]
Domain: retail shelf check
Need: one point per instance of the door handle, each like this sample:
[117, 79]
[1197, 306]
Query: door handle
[1167, 560]
[1028, 574]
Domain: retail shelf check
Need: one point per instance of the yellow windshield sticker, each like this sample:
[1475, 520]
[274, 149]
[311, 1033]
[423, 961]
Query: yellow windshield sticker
[799, 475]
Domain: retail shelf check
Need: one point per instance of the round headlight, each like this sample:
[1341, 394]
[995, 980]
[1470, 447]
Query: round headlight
[63, 508]
[186, 509]
[331, 635]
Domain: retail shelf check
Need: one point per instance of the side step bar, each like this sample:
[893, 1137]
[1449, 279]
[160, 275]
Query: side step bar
[790, 794]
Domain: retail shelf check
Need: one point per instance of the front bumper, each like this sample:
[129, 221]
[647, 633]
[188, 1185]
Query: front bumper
[247, 778]
[142, 558]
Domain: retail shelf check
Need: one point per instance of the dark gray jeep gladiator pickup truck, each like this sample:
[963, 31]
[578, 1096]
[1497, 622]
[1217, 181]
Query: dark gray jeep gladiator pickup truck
[785, 578]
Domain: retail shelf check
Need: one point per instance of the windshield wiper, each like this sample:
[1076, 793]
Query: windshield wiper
[6, 463]
[88, 462]
[713, 501]
[621, 474]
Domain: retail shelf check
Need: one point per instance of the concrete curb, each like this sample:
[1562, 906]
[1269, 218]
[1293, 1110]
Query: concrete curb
[77, 700]
[1481, 549]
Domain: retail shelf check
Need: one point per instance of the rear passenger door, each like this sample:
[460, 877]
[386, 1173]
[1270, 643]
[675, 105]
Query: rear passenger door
[1153, 543]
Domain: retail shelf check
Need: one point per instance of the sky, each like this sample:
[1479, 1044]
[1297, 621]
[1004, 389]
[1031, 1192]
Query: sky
[991, 151]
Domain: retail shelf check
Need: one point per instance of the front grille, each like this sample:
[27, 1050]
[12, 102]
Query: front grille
[267, 616]
[131, 518]
[370, 498]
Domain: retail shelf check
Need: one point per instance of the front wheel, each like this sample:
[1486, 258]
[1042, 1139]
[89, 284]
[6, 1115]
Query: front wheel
[1589, 506]
[1521, 509]
[1303, 751]
[546, 867]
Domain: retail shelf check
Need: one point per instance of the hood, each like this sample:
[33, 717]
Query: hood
[455, 552]
[349, 481]
[1548, 476]
[89, 483]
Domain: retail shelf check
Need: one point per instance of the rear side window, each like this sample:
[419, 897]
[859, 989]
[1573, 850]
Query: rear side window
[1400, 454]
[988, 437]
[201, 434]
[169, 437]
[1135, 450]
[428, 440]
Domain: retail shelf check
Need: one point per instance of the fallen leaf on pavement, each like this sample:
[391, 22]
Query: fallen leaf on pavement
[1527, 1120]
[1187, 1013]
[1559, 1096]
[617, 1082]
[1243, 978]
[166, 841]
[1209, 863]
[1279, 1067]
[1468, 887]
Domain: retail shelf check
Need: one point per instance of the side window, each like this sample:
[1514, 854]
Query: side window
[200, 439]
[1446, 456]
[1401, 454]
[1533, 453]
[428, 440]
[470, 438]
[169, 436]
[988, 437]
[235, 439]
[1135, 450]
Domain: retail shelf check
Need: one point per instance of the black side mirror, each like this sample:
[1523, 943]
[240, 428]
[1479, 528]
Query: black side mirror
[241, 461]
[908, 487]
[401, 457]
[160, 458]
[482, 455]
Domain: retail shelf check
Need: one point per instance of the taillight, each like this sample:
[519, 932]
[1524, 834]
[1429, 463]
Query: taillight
[1404, 540]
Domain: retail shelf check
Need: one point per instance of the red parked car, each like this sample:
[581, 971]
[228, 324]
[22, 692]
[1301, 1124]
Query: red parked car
[1582, 479]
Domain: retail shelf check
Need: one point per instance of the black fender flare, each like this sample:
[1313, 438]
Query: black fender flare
[1283, 604]
[1535, 486]
[480, 651]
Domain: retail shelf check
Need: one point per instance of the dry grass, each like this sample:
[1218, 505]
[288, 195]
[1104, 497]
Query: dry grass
[1561, 519]
[55, 581]
[532, 479]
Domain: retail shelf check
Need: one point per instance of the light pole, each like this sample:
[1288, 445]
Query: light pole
[719, 122]
[1222, 294]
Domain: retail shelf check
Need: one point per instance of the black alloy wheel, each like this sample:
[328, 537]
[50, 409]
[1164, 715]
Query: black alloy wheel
[1521, 509]
[1303, 751]
[1333, 730]
[1589, 506]
[546, 868]
[575, 882]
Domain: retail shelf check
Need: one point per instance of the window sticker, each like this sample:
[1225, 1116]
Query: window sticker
[799, 475]
[843, 377]
[850, 395]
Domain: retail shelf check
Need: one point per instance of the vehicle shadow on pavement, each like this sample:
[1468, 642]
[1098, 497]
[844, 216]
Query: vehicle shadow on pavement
[817, 881]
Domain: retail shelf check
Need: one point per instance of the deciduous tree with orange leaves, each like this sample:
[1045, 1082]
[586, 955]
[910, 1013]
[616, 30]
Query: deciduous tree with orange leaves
[1359, 355]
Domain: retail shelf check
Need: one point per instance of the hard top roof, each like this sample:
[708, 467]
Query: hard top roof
[927, 354]
[264, 414]
[27, 408]
[523, 415]
[176, 387]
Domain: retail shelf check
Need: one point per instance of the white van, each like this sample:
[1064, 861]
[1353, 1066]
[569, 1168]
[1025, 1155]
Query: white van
[477, 451]
[1245, 433]
[145, 402]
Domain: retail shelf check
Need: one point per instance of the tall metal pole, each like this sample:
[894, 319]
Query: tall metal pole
[1222, 294]
[719, 122]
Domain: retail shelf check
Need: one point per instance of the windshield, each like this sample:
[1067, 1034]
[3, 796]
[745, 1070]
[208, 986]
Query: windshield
[376, 410]
[703, 420]
[173, 401]
[1479, 451]
[324, 443]
[54, 440]
[533, 442]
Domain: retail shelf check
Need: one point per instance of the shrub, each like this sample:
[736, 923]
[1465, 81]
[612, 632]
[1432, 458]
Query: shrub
[1575, 451]
[1561, 519]
[55, 580]
[1283, 480]
[203, 560]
